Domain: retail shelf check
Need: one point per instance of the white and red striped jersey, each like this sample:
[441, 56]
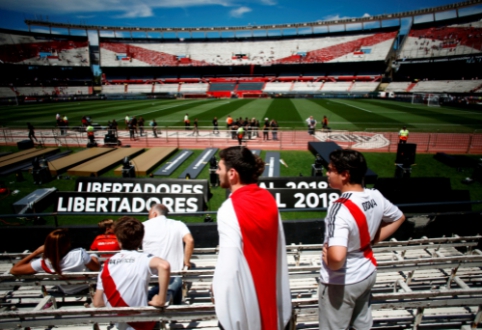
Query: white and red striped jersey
[251, 287]
[125, 280]
[353, 221]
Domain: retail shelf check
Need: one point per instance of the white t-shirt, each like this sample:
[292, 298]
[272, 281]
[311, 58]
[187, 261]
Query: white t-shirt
[74, 261]
[164, 238]
[342, 228]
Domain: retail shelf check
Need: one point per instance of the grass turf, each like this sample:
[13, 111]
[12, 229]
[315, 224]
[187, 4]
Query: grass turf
[343, 114]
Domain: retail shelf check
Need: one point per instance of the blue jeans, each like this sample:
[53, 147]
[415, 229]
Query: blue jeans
[174, 288]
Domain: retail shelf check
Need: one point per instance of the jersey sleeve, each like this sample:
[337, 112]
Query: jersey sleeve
[85, 257]
[36, 265]
[391, 213]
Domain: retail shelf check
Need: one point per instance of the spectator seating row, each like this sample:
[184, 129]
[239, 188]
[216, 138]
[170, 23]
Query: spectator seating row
[7, 92]
[437, 86]
[420, 282]
[452, 40]
[348, 48]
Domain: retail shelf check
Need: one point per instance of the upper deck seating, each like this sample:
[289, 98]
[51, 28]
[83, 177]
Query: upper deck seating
[348, 48]
[44, 50]
[451, 40]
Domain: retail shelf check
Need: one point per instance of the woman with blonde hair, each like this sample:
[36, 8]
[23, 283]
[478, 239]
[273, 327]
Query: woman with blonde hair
[107, 241]
[57, 258]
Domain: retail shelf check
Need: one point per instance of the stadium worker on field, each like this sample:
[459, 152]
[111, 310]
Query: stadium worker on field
[403, 135]
[124, 280]
[359, 218]
[164, 238]
[311, 122]
[250, 283]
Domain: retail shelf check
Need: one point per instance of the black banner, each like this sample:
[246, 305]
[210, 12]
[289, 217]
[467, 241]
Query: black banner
[143, 185]
[304, 198]
[84, 202]
[296, 182]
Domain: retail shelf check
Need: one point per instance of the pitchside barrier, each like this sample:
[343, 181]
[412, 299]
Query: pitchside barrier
[289, 138]
[427, 282]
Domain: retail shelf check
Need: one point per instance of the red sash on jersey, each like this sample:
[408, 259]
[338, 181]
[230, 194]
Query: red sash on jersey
[260, 246]
[115, 299]
[361, 222]
[45, 268]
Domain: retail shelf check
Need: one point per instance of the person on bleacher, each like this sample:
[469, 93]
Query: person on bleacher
[165, 238]
[357, 220]
[106, 241]
[250, 284]
[57, 259]
[124, 279]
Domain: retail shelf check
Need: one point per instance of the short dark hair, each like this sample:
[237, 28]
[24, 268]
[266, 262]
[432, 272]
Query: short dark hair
[248, 165]
[129, 232]
[352, 161]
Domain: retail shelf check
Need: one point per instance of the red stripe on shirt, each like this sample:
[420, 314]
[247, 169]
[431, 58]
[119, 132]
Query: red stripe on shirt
[257, 215]
[115, 299]
[361, 222]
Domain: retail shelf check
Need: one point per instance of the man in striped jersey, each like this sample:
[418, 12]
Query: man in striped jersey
[359, 218]
[250, 284]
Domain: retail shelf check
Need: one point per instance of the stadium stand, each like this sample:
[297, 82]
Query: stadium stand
[449, 86]
[194, 88]
[422, 282]
[7, 92]
[42, 49]
[306, 87]
[445, 40]
[364, 86]
[398, 87]
[166, 88]
[340, 86]
[277, 87]
[355, 47]
[113, 89]
[143, 88]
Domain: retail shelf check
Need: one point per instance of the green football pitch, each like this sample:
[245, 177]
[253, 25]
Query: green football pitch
[343, 114]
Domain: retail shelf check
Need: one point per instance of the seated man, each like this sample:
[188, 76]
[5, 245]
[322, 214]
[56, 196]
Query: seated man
[124, 280]
[165, 238]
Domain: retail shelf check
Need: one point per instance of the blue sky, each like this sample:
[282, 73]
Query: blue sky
[197, 13]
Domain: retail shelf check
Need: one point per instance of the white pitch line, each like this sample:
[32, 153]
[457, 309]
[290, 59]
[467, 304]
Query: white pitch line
[351, 106]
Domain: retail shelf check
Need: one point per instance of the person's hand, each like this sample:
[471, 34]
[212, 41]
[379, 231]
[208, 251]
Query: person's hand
[187, 265]
[324, 253]
[157, 301]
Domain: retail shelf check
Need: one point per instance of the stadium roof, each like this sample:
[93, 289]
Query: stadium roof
[379, 19]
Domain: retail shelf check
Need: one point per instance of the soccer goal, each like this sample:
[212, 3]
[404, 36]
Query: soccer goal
[431, 100]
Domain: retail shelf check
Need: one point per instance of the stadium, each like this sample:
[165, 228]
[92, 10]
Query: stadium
[71, 166]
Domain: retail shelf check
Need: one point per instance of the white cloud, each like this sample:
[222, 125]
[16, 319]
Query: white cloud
[268, 2]
[366, 15]
[239, 11]
[334, 17]
[132, 8]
